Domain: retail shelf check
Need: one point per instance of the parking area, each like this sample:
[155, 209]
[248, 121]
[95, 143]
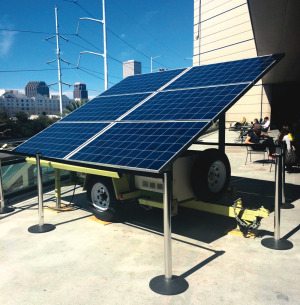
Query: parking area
[85, 262]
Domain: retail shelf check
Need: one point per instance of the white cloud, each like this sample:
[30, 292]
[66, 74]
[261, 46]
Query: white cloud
[6, 40]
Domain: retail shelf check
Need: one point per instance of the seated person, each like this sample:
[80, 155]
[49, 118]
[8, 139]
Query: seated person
[266, 125]
[243, 121]
[285, 137]
[238, 125]
[255, 138]
[255, 122]
[296, 137]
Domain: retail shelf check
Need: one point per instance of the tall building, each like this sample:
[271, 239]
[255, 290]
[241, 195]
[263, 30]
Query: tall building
[36, 87]
[80, 91]
[131, 67]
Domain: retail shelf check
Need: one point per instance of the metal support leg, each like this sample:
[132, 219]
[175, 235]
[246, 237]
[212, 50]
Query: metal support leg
[222, 133]
[3, 208]
[57, 189]
[276, 243]
[41, 227]
[284, 205]
[168, 284]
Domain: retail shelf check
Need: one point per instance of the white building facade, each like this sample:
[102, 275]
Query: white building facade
[223, 32]
[12, 102]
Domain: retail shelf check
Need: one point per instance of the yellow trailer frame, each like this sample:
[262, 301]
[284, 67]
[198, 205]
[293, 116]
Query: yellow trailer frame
[124, 192]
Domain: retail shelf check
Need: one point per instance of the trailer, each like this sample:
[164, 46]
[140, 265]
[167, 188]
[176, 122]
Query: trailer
[199, 181]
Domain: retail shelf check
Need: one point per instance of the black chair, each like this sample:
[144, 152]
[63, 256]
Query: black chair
[251, 151]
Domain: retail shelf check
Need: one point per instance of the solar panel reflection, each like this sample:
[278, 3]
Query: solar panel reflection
[192, 104]
[142, 83]
[139, 145]
[240, 71]
[60, 139]
[107, 108]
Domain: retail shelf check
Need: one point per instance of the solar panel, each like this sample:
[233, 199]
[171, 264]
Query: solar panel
[107, 108]
[193, 104]
[139, 145]
[158, 115]
[60, 139]
[240, 71]
[142, 83]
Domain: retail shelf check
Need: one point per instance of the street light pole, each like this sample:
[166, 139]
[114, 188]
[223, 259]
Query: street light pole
[152, 61]
[104, 48]
[58, 63]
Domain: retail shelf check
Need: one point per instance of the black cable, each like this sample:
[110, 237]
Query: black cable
[93, 75]
[33, 70]
[70, 203]
[91, 15]
[33, 32]
[89, 43]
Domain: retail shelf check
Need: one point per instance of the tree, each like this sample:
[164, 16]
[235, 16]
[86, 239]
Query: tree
[75, 105]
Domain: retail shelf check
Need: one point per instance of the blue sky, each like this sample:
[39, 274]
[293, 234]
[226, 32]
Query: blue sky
[154, 28]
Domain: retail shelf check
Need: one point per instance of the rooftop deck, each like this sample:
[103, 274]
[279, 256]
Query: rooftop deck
[85, 262]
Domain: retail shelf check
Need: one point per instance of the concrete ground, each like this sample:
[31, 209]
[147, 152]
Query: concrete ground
[84, 262]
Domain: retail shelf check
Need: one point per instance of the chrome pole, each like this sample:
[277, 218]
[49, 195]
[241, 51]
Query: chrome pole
[167, 226]
[168, 284]
[276, 243]
[40, 190]
[41, 227]
[283, 176]
[278, 196]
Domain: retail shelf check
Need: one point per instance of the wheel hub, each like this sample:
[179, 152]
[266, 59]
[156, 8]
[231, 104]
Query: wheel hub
[216, 176]
[100, 196]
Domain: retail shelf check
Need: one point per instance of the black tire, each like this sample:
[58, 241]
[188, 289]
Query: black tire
[102, 199]
[210, 175]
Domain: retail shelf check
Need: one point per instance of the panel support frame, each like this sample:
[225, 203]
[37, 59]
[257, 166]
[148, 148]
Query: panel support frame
[222, 133]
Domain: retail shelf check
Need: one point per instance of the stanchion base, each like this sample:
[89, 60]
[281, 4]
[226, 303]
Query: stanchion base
[41, 229]
[160, 284]
[287, 206]
[6, 210]
[277, 244]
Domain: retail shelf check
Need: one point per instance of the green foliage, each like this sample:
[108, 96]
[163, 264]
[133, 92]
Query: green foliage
[21, 126]
[75, 105]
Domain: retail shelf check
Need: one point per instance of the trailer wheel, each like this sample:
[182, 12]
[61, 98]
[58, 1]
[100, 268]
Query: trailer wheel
[102, 200]
[210, 175]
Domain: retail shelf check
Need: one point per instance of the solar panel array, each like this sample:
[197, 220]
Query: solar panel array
[145, 121]
[185, 105]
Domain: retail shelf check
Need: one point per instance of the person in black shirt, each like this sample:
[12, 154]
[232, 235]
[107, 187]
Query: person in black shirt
[258, 141]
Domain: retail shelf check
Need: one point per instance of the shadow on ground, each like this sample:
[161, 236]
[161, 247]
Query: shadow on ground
[256, 193]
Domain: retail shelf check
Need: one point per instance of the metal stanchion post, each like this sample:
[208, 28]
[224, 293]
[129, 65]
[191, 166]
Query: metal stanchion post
[3, 208]
[284, 205]
[57, 188]
[168, 284]
[41, 227]
[276, 243]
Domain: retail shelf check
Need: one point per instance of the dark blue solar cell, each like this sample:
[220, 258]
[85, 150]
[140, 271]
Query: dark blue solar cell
[139, 145]
[192, 104]
[105, 108]
[142, 83]
[60, 139]
[246, 70]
